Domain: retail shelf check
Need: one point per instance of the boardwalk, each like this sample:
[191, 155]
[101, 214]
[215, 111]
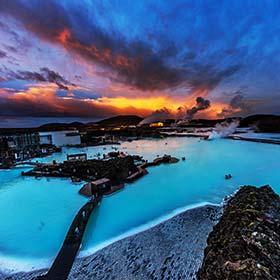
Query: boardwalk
[62, 265]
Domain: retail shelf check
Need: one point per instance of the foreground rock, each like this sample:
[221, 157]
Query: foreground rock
[170, 250]
[245, 244]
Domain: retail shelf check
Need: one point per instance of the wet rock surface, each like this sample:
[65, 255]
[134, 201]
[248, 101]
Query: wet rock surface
[170, 250]
[245, 244]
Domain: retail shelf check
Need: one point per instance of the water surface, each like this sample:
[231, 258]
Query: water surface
[35, 214]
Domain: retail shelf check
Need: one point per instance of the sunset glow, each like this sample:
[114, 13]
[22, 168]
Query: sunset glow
[149, 103]
[119, 62]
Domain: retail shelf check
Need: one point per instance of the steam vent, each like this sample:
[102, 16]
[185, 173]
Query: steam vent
[245, 242]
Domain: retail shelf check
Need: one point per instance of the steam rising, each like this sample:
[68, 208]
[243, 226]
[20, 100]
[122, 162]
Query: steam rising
[201, 104]
[182, 112]
[223, 130]
[157, 116]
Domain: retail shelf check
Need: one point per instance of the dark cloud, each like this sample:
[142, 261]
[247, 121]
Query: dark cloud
[45, 75]
[238, 105]
[44, 18]
[201, 104]
[237, 101]
[35, 108]
[22, 43]
[10, 48]
[135, 62]
[60, 108]
[207, 77]
[189, 56]
[2, 54]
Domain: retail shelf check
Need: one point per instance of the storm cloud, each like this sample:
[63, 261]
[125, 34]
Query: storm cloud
[133, 62]
[132, 53]
[45, 75]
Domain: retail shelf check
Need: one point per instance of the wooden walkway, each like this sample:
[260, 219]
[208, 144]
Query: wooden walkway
[63, 262]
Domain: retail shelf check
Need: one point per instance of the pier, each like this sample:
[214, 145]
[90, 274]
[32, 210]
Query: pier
[63, 262]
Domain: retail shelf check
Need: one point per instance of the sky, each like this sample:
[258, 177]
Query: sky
[95, 59]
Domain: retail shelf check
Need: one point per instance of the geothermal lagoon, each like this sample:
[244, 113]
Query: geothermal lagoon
[36, 213]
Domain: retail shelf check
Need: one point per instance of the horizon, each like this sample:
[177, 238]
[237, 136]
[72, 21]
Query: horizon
[63, 59]
[32, 122]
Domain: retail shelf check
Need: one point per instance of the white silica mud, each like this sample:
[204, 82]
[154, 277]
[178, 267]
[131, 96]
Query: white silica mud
[36, 214]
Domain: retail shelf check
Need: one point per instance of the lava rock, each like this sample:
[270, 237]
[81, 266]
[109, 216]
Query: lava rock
[245, 244]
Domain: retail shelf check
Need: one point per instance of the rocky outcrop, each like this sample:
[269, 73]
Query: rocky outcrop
[245, 244]
[116, 169]
[160, 160]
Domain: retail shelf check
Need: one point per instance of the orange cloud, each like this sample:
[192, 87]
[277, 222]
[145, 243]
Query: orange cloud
[158, 102]
[42, 100]
[141, 103]
[64, 36]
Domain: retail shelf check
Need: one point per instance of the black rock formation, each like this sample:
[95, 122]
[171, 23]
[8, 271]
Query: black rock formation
[245, 244]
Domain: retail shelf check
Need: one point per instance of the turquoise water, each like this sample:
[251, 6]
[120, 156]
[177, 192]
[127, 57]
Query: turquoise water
[35, 214]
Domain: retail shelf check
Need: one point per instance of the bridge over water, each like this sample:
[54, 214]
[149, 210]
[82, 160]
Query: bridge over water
[63, 262]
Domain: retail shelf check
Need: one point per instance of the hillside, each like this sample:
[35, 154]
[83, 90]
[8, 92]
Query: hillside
[120, 120]
[60, 126]
[262, 123]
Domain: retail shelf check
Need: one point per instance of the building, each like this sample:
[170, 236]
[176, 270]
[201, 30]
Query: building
[102, 185]
[23, 141]
[7, 156]
[48, 149]
[156, 124]
[60, 138]
[74, 157]
[23, 145]
[99, 186]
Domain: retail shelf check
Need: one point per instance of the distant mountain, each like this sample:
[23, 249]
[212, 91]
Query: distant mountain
[250, 120]
[60, 126]
[262, 123]
[113, 121]
[120, 120]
